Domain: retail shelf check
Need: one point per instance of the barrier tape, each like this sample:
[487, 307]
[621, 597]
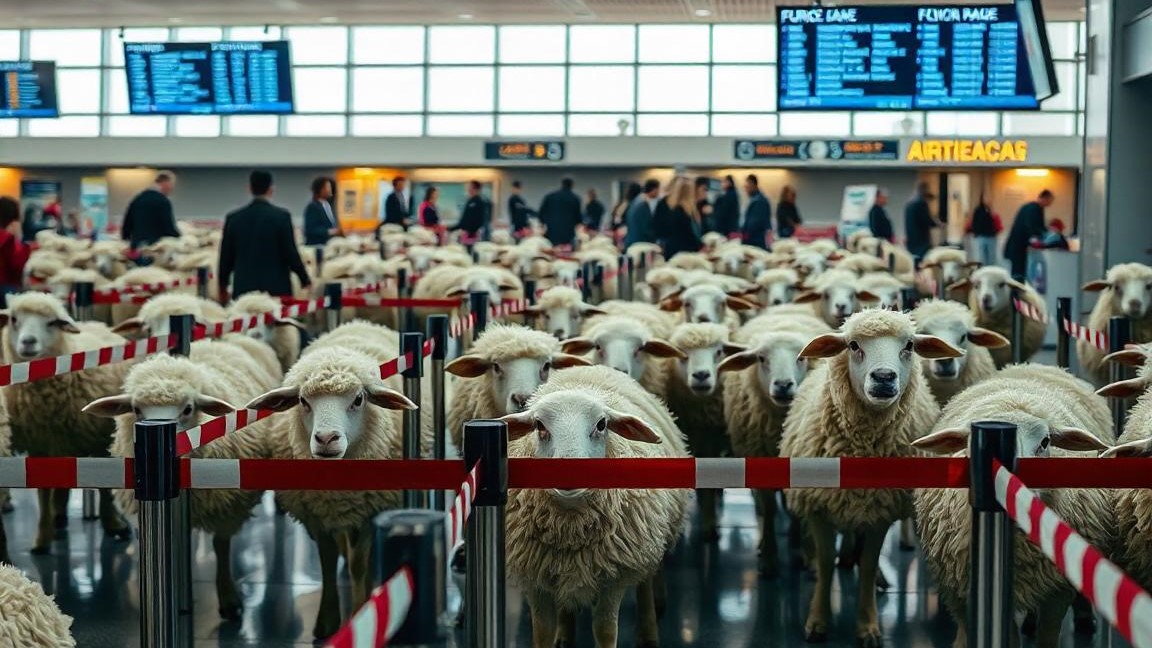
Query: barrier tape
[152, 287]
[116, 298]
[462, 509]
[929, 281]
[378, 620]
[461, 325]
[1098, 339]
[383, 302]
[294, 309]
[42, 368]
[509, 307]
[1117, 597]
[1030, 311]
[403, 363]
[365, 289]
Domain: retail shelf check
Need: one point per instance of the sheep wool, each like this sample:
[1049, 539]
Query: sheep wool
[1133, 507]
[1001, 321]
[285, 338]
[978, 363]
[1108, 306]
[5, 451]
[28, 616]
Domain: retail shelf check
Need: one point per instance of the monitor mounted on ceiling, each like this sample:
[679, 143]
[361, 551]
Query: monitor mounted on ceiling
[1038, 50]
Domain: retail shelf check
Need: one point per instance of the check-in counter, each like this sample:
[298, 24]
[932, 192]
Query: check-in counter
[1061, 278]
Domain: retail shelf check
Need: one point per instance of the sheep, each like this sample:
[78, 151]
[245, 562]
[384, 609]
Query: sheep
[447, 282]
[1126, 291]
[664, 281]
[861, 264]
[153, 318]
[868, 400]
[884, 287]
[953, 322]
[948, 265]
[835, 296]
[904, 266]
[777, 286]
[587, 548]
[713, 241]
[191, 391]
[42, 265]
[28, 616]
[45, 415]
[609, 261]
[659, 322]
[990, 298]
[451, 257]
[282, 334]
[690, 261]
[560, 310]
[786, 247]
[810, 265]
[341, 415]
[826, 247]
[512, 361]
[695, 395]
[63, 283]
[704, 304]
[150, 275]
[854, 239]
[1051, 409]
[628, 345]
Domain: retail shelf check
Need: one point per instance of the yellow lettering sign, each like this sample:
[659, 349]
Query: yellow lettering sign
[968, 151]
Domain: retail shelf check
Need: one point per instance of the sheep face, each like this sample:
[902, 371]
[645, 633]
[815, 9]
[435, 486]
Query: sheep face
[566, 273]
[1035, 437]
[622, 351]
[480, 283]
[887, 297]
[1132, 296]
[779, 367]
[778, 293]
[700, 367]
[180, 403]
[705, 304]
[565, 321]
[810, 265]
[958, 334]
[512, 381]
[730, 262]
[837, 302]
[36, 334]
[993, 289]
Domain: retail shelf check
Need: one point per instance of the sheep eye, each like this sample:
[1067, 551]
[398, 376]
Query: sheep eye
[359, 400]
[187, 411]
[305, 405]
[1044, 443]
[602, 425]
[497, 370]
[137, 413]
[1001, 284]
[908, 347]
[854, 346]
[541, 430]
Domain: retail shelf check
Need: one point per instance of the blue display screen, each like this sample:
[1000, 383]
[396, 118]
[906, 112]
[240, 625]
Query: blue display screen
[29, 89]
[226, 78]
[906, 57]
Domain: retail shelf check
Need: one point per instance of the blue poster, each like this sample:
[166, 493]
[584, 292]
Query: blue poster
[94, 205]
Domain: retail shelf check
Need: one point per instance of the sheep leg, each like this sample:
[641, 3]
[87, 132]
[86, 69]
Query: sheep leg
[60, 508]
[647, 626]
[1049, 618]
[706, 500]
[359, 559]
[44, 530]
[820, 611]
[867, 617]
[543, 609]
[228, 599]
[328, 616]
[849, 554]
[5, 559]
[659, 592]
[110, 518]
[606, 617]
[1083, 616]
[566, 630]
[766, 502]
[907, 535]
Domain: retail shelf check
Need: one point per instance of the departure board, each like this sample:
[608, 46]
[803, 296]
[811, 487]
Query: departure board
[906, 57]
[29, 89]
[226, 78]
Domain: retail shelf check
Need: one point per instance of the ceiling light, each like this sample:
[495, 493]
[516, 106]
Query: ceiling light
[1032, 173]
[329, 19]
[703, 13]
[175, 21]
[465, 16]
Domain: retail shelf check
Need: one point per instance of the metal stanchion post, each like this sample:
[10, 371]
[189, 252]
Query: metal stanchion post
[623, 275]
[641, 271]
[908, 298]
[1063, 340]
[1119, 335]
[438, 333]
[157, 480]
[990, 606]
[891, 263]
[486, 442]
[417, 539]
[319, 251]
[202, 282]
[412, 343]
[402, 312]
[82, 294]
[598, 280]
[333, 292]
[479, 304]
[941, 287]
[589, 277]
[181, 327]
[530, 297]
[1017, 330]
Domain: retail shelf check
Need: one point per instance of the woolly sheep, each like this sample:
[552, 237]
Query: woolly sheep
[447, 282]
[664, 281]
[835, 297]
[810, 265]
[42, 265]
[713, 241]
[868, 400]
[659, 322]
[777, 286]
[191, 391]
[153, 318]
[610, 262]
[560, 310]
[1051, 410]
[64, 282]
[826, 247]
[282, 334]
[861, 264]
[948, 265]
[1126, 291]
[45, 415]
[140, 277]
[28, 616]
[884, 287]
[573, 549]
[707, 304]
[990, 298]
[628, 345]
[854, 239]
[905, 265]
[510, 362]
[690, 261]
[954, 323]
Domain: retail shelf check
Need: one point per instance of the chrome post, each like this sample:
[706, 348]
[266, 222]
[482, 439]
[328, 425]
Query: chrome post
[486, 442]
[991, 615]
[157, 480]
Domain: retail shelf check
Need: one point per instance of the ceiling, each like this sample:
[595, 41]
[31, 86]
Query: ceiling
[131, 13]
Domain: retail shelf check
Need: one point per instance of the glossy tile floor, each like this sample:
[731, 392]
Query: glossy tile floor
[715, 596]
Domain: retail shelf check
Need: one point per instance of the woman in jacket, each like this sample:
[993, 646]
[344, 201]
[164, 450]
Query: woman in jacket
[593, 213]
[620, 211]
[985, 227]
[13, 253]
[726, 211]
[683, 225]
[787, 216]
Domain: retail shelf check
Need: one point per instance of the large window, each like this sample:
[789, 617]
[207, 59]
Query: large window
[660, 80]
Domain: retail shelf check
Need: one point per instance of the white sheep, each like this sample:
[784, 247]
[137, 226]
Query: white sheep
[868, 400]
[450, 282]
[153, 318]
[561, 310]
[954, 323]
[662, 282]
[282, 334]
[690, 261]
[1055, 415]
[861, 264]
[707, 304]
[191, 391]
[884, 287]
[835, 297]
[150, 275]
[45, 415]
[573, 549]
[1126, 291]
[990, 296]
[28, 616]
[628, 345]
[659, 322]
[947, 265]
[904, 264]
[777, 286]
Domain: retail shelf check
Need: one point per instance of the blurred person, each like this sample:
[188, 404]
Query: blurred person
[519, 214]
[726, 211]
[70, 225]
[919, 223]
[149, 216]
[684, 227]
[620, 211]
[1029, 224]
[560, 214]
[662, 211]
[878, 221]
[13, 253]
[787, 215]
[985, 226]
[638, 218]
[428, 215]
[477, 211]
[320, 223]
[757, 215]
[703, 205]
[396, 211]
[259, 246]
[1054, 238]
[593, 212]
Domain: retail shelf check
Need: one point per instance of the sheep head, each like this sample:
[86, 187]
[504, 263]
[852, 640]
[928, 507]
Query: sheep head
[953, 323]
[622, 344]
[836, 291]
[704, 347]
[991, 289]
[162, 388]
[779, 367]
[561, 310]
[704, 304]
[38, 323]
[1035, 437]
[1130, 286]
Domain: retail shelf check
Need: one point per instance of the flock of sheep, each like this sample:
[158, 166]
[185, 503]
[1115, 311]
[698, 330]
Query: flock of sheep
[804, 351]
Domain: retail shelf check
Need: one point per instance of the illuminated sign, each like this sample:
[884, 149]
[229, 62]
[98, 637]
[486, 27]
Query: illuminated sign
[967, 150]
[544, 151]
[817, 150]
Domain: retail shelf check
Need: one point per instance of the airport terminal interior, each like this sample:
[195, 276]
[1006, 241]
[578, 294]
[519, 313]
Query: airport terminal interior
[769, 298]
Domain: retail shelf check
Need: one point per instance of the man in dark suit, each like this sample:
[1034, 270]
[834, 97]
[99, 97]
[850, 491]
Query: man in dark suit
[561, 213]
[396, 210]
[638, 218]
[259, 246]
[758, 215]
[1029, 224]
[476, 215]
[919, 223]
[518, 211]
[320, 223]
[878, 220]
[149, 216]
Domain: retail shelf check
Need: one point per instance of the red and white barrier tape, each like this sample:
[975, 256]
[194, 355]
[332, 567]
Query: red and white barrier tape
[365, 289]
[461, 325]
[378, 620]
[385, 302]
[296, 309]
[1117, 597]
[404, 362]
[153, 287]
[1098, 339]
[118, 298]
[1030, 311]
[929, 281]
[509, 307]
[462, 508]
[42, 368]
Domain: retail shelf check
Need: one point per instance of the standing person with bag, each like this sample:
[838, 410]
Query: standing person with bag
[13, 253]
[984, 227]
[787, 215]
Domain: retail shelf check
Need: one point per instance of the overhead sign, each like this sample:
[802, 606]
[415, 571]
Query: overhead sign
[835, 150]
[549, 151]
[991, 151]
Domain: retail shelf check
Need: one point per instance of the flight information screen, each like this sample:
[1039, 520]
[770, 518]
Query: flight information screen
[29, 89]
[905, 57]
[226, 78]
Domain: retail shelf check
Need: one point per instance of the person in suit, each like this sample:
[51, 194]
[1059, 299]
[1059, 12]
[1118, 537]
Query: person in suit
[684, 227]
[620, 211]
[477, 212]
[878, 220]
[560, 213]
[396, 205]
[787, 215]
[638, 219]
[593, 212]
[1029, 224]
[320, 223]
[704, 206]
[259, 247]
[726, 211]
[519, 214]
[919, 223]
[149, 216]
[757, 216]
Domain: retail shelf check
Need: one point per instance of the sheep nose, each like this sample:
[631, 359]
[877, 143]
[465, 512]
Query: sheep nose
[782, 386]
[560, 334]
[946, 364]
[777, 302]
[701, 376]
[520, 401]
[621, 369]
[325, 438]
[703, 319]
[986, 301]
[1134, 306]
[884, 375]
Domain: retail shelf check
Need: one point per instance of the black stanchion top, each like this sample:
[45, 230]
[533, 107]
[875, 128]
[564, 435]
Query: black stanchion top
[181, 327]
[487, 442]
[83, 293]
[401, 279]
[989, 440]
[438, 333]
[1119, 333]
[202, 275]
[335, 294]
[413, 343]
[530, 291]
[155, 469]
[479, 306]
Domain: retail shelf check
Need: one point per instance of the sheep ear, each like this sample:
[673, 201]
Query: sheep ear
[925, 266]
[519, 424]
[4, 317]
[736, 303]
[731, 348]
[945, 442]
[825, 346]
[1124, 389]
[287, 321]
[671, 303]
[505, 287]
[1076, 440]
[867, 296]
[589, 309]
[737, 362]
[933, 348]
[468, 366]
[661, 349]
[382, 396]
[130, 324]
[989, 339]
[1137, 448]
[974, 264]
[68, 326]
[807, 297]
[577, 345]
[835, 256]
[1096, 286]
[632, 428]
[1129, 357]
[564, 361]
[277, 400]
[109, 406]
[213, 406]
[459, 292]
[963, 284]
[1017, 285]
